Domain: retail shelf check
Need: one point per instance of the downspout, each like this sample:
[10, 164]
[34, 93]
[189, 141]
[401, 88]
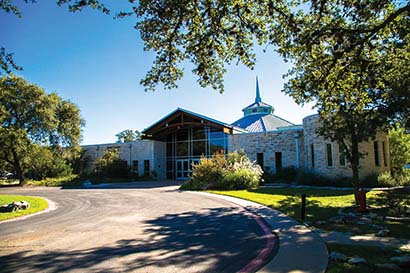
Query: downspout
[296, 136]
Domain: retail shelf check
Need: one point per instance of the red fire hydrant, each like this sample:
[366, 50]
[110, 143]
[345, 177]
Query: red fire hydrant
[361, 199]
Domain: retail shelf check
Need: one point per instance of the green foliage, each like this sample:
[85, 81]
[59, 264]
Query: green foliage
[69, 180]
[399, 151]
[285, 175]
[128, 136]
[36, 204]
[342, 53]
[78, 159]
[111, 166]
[387, 180]
[31, 117]
[235, 171]
[46, 162]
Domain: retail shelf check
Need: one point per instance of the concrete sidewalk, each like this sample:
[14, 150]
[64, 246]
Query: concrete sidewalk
[363, 240]
[300, 249]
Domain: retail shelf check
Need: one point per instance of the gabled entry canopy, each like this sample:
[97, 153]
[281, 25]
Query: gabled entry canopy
[181, 118]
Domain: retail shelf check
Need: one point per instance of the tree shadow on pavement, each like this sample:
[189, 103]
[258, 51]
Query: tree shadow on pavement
[210, 240]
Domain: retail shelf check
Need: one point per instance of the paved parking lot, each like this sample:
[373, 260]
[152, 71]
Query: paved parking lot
[149, 228]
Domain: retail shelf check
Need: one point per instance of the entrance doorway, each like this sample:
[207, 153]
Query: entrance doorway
[184, 168]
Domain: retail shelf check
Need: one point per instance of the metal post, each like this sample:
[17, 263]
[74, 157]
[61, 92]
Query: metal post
[303, 207]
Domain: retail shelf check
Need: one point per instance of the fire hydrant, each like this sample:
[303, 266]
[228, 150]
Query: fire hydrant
[361, 199]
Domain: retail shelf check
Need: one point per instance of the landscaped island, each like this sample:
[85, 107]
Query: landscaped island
[36, 204]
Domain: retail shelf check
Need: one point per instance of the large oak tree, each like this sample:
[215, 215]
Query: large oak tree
[350, 57]
[31, 117]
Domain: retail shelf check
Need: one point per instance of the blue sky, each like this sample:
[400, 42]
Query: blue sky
[97, 63]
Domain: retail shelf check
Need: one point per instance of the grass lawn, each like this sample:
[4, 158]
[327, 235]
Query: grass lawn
[373, 256]
[36, 204]
[320, 205]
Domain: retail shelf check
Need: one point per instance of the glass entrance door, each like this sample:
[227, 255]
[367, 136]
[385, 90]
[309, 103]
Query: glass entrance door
[182, 169]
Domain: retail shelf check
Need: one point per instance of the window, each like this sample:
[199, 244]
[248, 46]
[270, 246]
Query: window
[342, 157]
[312, 155]
[135, 166]
[259, 159]
[384, 153]
[146, 168]
[278, 161]
[329, 155]
[376, 153]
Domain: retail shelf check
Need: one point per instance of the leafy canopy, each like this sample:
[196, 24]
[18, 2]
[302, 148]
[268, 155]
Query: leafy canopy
[128, 136]
[30, 117]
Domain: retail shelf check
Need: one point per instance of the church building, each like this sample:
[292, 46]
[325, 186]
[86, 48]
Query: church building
[173, 143]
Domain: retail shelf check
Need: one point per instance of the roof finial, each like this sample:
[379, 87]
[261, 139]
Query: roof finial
[258, 95]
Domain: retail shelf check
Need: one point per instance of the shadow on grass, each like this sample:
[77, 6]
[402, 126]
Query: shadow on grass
[292, 206]
[298, 192]
[213, 240]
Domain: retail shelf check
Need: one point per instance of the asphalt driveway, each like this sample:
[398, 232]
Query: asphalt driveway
[148, 228]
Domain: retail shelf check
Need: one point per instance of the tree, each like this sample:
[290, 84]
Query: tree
[128, 136]
[46, 162]
[399, 150]
[110, 165]
[30, 117]
[350, 65]
[349, 57]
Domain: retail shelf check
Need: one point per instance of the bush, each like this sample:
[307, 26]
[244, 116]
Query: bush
[111, 166]
[45, 162]
[387, 180]
[369, 180]
[284, 175]
[235, 171]
[306, 177]
[399, 150]
[239, 180]
[70, 180]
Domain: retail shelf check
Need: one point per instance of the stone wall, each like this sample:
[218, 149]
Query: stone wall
[367, 163]
[268, 143]
[131, 152]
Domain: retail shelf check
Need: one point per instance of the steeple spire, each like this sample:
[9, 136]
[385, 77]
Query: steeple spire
[258, 95]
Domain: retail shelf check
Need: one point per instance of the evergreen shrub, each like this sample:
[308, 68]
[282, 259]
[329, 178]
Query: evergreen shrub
[111, 166]
[231, 172]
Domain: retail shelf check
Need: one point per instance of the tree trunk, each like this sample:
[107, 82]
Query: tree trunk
[18, 170]
[355, 165]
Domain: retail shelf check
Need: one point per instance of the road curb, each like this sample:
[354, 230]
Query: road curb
[295, 240]
[51, 206]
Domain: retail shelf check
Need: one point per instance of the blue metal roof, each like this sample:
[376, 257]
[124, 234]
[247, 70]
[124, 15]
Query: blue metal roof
[261, 123]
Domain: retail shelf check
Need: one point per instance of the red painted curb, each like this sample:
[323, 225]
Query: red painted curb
[264, 253]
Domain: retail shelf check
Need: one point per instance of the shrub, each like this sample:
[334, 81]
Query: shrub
[288, 174]
[235, 171]
[369, 180]
[387, 180]
[306, 177]
[239, 179]
[70, 180]
[399, 150]
[111, 166]
[45, 162]
[207, 172]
